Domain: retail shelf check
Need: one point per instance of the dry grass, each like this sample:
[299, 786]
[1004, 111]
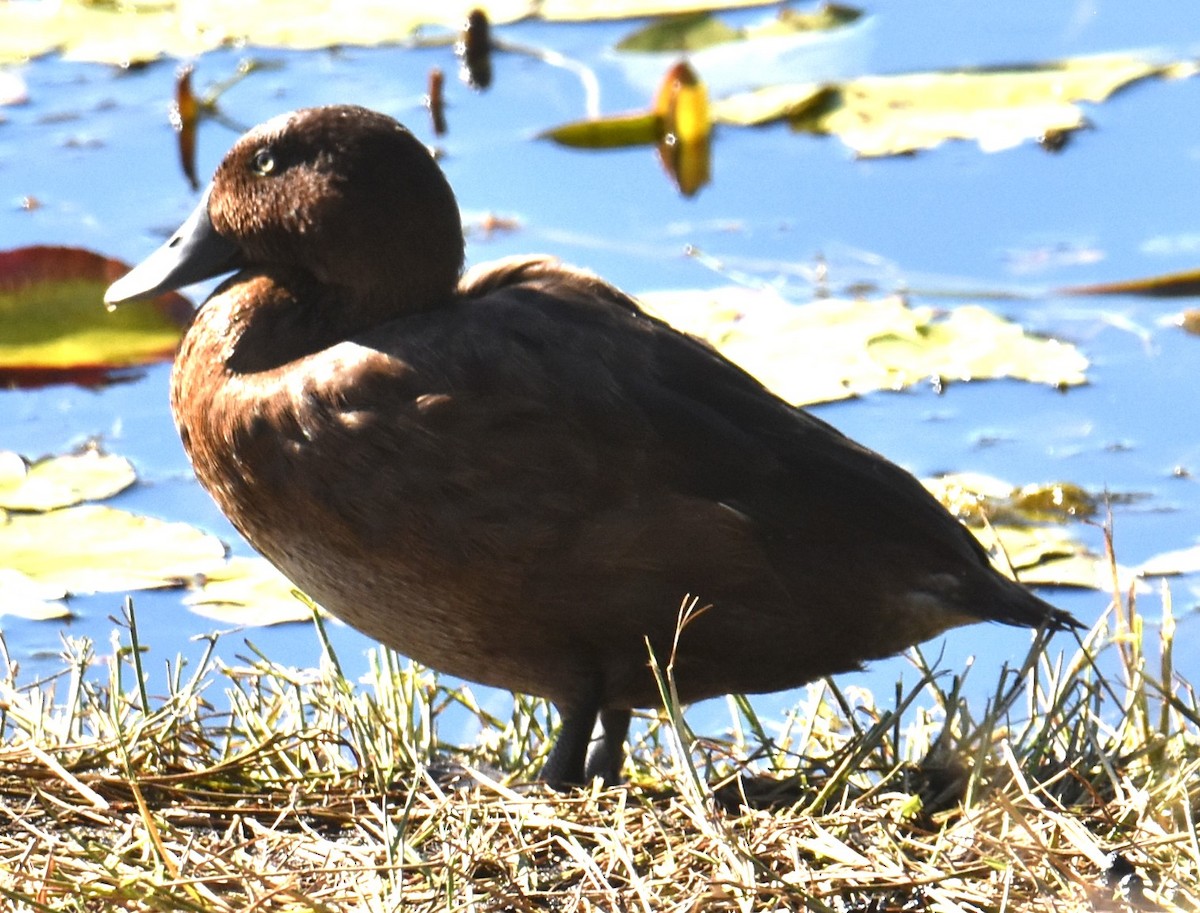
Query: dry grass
[1069, 790]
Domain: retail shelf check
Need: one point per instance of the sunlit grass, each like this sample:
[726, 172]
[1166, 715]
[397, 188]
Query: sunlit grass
[1067, 789]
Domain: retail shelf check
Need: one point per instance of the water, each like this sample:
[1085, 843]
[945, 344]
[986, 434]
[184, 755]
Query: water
[94, 147]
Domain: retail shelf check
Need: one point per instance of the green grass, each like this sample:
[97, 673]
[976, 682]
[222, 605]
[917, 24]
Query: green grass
[314, 793]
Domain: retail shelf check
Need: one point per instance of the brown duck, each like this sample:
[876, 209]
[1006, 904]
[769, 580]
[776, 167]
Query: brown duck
[516, 476]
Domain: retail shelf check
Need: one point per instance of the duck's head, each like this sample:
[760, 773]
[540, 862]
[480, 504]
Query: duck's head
[341, 195]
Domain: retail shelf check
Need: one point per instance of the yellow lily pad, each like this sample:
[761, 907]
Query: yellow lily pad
[61, 481]
[591, 10]
[1028, 547]
[970, 343]
[91, 548]
[24, 597]
[1172, 563]
[1039, 552]
[249, 591]
[837, 348]
[129, 32]
[998, 107]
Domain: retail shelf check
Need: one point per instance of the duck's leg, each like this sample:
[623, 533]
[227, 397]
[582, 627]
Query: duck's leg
[606, 754]
[565, 765]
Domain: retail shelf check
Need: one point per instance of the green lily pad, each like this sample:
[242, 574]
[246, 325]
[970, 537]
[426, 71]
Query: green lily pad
[838, 348]
[53, 324]
[248, 591]
[997, 107]
[91, 548]
[61, 481]
[696, 31]
[639, 128]
[976, 498]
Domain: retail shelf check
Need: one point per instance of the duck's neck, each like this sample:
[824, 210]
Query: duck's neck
[267, 323]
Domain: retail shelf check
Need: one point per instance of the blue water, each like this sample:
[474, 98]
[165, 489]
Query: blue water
[94, 147]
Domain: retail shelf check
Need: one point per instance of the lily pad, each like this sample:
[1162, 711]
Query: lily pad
[91, 548]
[248, 591]
[1020, 525]
[678, 124]
[61, 481]
[970, 343]
[1083, 570]
[1172, 563]
[696, 31]
[125, 33]
[638, 128]
[13, 90]
[997, 107]
[24, 597]
[53, 325]
[837, 348]
[978, 498]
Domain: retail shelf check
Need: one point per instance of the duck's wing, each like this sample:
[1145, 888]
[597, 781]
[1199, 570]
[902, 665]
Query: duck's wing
[713, 433]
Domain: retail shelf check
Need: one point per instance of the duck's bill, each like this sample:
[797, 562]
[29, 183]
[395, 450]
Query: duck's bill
[194, 253]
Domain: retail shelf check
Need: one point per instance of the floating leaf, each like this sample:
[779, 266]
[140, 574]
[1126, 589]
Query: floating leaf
[1054, 501]
[54, 327]
[998, 107]
[684, 140]
[185, 115]
[588, 10]
[124, 33]
[1081, 571]
[1172, 285]
[12, 90]
[27, 598]
[61, 481]
[92, 549]
[698, 30]
[1173, 563]
[1027, 546]
[970, 343]
[1011, 522]
[248, 591]
[686, 32]
[641, 128]
[977, 498]
[678, 125]
[834, 348]
[1051, 556]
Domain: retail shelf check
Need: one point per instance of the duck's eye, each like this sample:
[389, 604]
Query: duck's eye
[263, 162]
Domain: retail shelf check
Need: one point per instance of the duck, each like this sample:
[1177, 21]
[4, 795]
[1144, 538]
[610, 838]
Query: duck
[515, 475]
